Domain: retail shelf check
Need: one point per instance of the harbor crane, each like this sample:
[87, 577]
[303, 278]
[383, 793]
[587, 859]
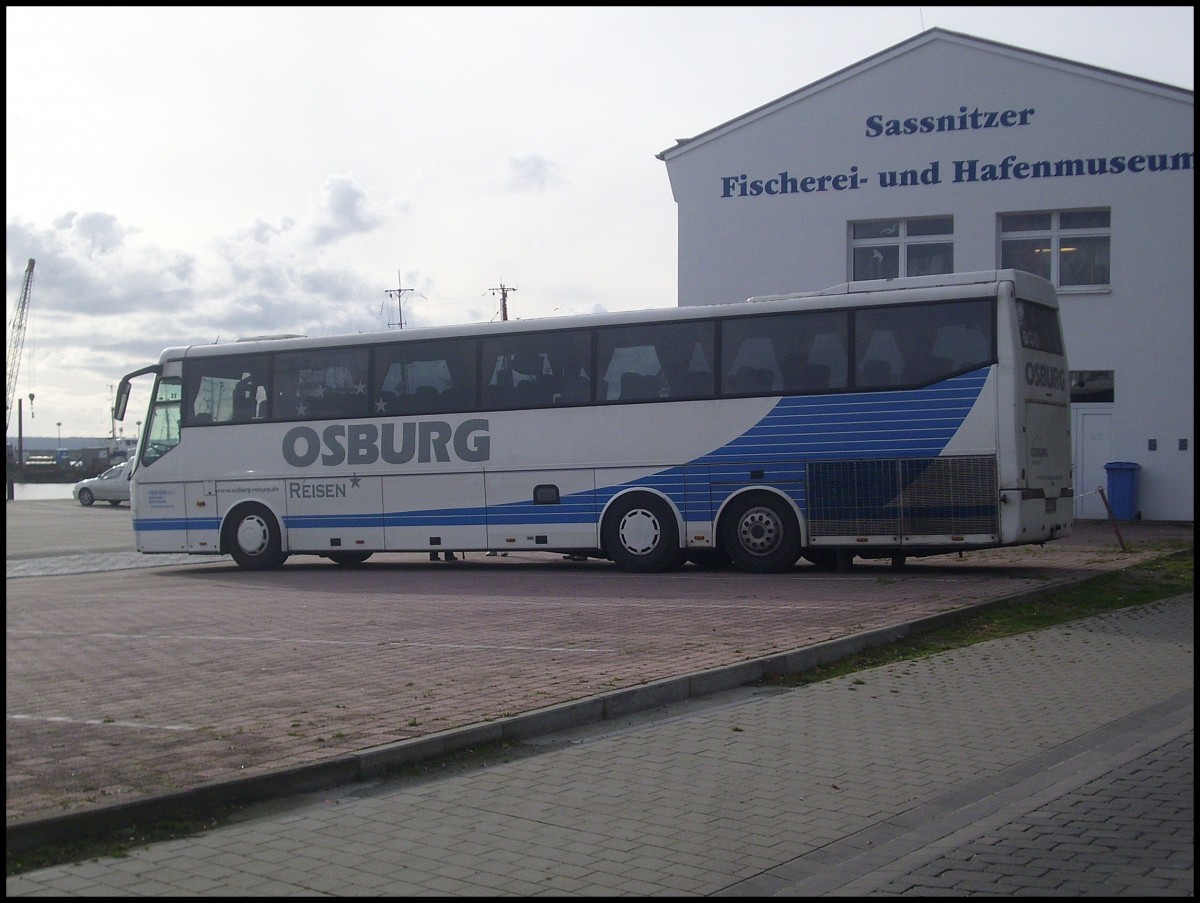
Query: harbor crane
[16, 341]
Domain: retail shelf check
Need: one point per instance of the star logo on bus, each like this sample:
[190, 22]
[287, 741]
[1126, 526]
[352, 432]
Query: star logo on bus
[360, 388]
[301, 409]
[354, 481]
[381, 405]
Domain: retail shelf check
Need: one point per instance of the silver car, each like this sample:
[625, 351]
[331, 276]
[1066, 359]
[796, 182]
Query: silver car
[111, 486]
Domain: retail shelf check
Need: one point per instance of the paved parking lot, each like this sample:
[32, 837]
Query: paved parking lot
[129, 684]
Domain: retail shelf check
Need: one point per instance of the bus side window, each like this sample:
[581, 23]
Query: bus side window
[536, 392]
[245, 399]
[752, 379]
[877, 352]
[970, 347]
[748, 364]
[640, 386]
[424, 400]
[927, 369]
[803, 376]
[573, 390]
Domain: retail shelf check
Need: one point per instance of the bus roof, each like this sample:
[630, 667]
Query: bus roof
[882, 291]
[1028, 285]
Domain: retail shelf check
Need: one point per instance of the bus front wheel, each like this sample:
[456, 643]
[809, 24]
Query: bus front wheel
[640, 534]
[759, 533]
[253, 539]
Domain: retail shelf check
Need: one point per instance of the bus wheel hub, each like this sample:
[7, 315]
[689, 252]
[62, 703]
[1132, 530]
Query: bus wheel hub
[759, 531]
[640, 532]
[252, 535]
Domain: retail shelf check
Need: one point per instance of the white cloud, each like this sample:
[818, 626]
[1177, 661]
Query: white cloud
[533, 172]
[341, 208]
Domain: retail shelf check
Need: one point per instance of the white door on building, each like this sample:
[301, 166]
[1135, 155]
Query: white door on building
[1091, 427]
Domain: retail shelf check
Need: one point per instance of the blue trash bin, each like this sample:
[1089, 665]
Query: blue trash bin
[1123, 489]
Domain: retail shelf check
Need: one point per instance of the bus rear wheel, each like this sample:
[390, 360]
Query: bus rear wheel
[760, 534]
[640, 534]
[253, 539]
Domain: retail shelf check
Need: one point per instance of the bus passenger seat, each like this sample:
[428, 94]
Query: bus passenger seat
[245, 401]
[753, 379]
[533, 393]
[425, 399]
[573, 390]
[638, 387]
[927, 369]
[877, 373]
[813, 377]
[692, 385]
[802, 376]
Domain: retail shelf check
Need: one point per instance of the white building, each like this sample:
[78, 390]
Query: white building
[948, 153]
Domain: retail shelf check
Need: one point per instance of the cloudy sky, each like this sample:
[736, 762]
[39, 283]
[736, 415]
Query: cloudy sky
[191, 175]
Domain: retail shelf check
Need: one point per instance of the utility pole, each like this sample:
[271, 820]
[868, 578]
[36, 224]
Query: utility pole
[503, 290]
[399, 293]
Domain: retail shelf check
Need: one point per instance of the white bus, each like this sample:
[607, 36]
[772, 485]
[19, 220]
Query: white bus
[885, 419]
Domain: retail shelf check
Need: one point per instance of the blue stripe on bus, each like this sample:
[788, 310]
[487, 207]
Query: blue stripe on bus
[148, 524]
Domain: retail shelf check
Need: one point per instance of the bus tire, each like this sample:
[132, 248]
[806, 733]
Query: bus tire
[760, 534]
[348, 559]
[640, 534]
[252, 537]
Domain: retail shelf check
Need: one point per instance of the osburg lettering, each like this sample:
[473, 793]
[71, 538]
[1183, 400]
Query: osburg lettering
[1045, 375]
[366, 443]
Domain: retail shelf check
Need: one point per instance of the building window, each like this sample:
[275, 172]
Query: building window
[1070, 248]
[1091, 385]
[886, 249]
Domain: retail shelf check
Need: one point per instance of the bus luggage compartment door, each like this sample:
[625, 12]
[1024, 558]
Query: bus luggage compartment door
[334, 514]
[439, 511]
[532, 509]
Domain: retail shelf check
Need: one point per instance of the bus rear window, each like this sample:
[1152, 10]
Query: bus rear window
[1039, 328]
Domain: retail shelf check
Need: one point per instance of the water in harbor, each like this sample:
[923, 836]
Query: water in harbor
[26, 492]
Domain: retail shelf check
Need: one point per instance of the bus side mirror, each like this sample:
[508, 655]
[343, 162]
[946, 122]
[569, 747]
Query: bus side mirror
[121, 401]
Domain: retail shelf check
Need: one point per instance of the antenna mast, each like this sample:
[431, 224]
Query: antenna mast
[503, 290]
[399, 293]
